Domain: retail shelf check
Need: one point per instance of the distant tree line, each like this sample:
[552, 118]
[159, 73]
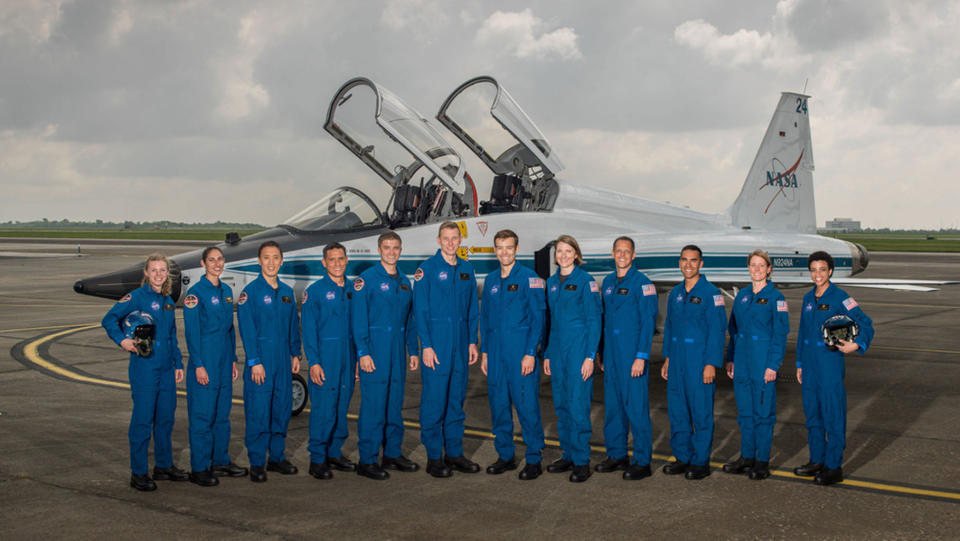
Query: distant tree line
[44, 223]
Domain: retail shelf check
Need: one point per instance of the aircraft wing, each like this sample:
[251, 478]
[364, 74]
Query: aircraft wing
[667, 279]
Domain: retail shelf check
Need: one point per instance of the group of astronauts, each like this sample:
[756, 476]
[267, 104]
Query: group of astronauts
[374, 328]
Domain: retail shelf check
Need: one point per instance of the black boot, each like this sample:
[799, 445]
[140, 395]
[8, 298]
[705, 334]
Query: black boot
[612, 465]
[143, 483]
[437, 468]
[760, 471]
[808, 470]
[501, 466]
[204, 478]
[740, 465]
[559, 466]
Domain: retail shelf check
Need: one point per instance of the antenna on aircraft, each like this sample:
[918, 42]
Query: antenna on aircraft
[805, 81]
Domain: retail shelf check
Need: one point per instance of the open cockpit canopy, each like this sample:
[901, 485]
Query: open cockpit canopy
[483, 115]
[426, 174]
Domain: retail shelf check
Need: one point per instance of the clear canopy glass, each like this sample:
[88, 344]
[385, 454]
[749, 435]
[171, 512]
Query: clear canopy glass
[345, 209]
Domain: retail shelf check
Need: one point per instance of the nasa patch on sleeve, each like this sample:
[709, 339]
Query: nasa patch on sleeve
[191, 301]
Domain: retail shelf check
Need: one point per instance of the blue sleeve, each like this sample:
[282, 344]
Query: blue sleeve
[473, 311]
[716, 332]
[233, 339]
[865, 337]
[311, 322]
[537, 306]
[421, 311]
[296, 345]
[413, 347]
[484, 327]
[359, 321]
[594, 307]
[778, 343]
[732, 331]
[248, 330]
[175, 350]
[111, 321]
[800, 337]
[192, 331]
[647, 320]
[667, 334]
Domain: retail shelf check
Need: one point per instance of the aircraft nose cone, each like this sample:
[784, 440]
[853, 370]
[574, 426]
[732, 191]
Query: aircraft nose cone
[112, 285]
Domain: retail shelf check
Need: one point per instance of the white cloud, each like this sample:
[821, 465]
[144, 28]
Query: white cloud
[420, 15]
[520, 34]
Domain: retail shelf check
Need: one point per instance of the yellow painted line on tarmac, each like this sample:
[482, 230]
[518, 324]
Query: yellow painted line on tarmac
[72, 325]
[31, 352]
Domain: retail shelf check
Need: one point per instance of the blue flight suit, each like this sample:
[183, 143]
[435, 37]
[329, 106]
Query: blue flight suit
[327, 341]
[575, 325]
[152, 379]
[758, 329]
[212, 344]
[270, 332]
[693, 337]
[447, 315]
[629, 317]
[512, 320]
[823, 392]
[382, 325]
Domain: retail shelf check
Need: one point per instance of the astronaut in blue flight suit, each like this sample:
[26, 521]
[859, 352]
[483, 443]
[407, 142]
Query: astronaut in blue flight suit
[575, 324]
[629, 317]
[758, 327]
[328, 346]
[512, 320]
[821, 371]
[153, 379]
[447, 315]
[693, 341]
[270, 332]
[381, 318]
[212, 344]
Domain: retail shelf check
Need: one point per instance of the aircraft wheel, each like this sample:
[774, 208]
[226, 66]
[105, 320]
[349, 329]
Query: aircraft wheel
[299, 394]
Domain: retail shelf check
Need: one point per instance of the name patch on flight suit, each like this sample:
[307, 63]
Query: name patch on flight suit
[464, 276]
[823, 307]
[286, 299]
[623, 291]
[695, 300]
[513, 287]
[570, 287]
[763, 301]
[228, 300]
[404, 287]
[349, 294]
[169, 307]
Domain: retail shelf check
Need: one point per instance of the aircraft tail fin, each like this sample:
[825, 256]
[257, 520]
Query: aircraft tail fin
[778, 192]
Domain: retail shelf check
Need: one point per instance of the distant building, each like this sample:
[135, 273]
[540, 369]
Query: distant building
[842, 225]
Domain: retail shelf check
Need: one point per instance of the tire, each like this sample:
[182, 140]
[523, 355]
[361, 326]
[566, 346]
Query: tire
[300, 395]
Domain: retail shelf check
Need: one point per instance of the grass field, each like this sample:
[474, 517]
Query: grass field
[159, 234]
[903, 242]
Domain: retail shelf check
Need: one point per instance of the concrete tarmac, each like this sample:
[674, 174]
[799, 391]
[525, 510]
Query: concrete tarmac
[65, 407]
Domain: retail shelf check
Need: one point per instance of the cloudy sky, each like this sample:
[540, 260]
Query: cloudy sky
[204, 111]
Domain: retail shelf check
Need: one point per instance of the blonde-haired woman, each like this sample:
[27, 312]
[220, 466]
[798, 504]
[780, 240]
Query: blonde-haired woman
[759, 323]
[153, 378]
[575, 313]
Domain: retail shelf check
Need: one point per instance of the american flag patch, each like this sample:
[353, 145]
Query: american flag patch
[718, 300]
[782, 306]
[850, 304]
[537, 283]
[594, 287]
[649, 289]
